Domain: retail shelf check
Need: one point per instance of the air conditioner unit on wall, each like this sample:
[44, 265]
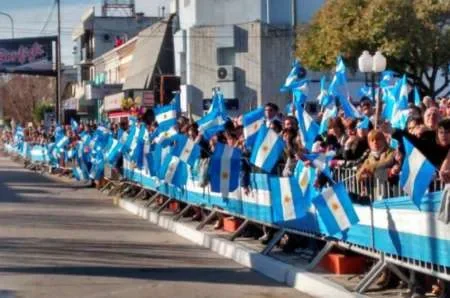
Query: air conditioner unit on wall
[225, 73]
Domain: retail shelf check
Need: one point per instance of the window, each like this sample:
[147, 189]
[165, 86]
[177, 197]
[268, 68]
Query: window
[226, 56]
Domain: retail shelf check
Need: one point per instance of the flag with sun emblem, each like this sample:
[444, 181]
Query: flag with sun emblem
[252, 121]
[224, 169]
[306, 176]
[335, 209]
[166, 116]
[174, 171]
[186, 149]
[287, 200]
[267, 149]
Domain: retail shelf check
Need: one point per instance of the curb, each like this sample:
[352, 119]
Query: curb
[298, 278]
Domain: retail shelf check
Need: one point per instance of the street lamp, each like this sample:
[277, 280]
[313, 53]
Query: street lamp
[373, 65]
[11, 20]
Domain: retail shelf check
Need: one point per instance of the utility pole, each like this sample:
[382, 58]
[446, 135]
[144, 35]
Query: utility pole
[58, 67]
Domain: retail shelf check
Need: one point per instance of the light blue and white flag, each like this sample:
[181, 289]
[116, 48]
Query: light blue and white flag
[306, 177]
[308, 128]
[322, 97]
[336, 209]
[165, 136]
[74, 125]
[402, 101]
[166, 116]
[186, 149]
[417, 99]
[211, 124]
[217, 103]
[300, 92]
[292, 77]
[80, 173]
[400, 119]
[287, 200]
[329, 112]
[321, 161]
[363, 123]
[114, 152]
[387, 79]
[267, 150]
[252, 122]
[349, 109]
[224, 169]
[62, 142]
[417, 173]
[174, 171]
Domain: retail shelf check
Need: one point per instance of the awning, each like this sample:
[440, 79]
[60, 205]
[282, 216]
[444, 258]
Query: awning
[113, 102]
[146, 55]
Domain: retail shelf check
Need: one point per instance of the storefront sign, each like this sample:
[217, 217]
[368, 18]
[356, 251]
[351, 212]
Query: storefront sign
[27, 55]
[113, 102]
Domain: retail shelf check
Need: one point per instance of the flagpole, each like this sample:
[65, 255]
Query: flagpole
[58, 66]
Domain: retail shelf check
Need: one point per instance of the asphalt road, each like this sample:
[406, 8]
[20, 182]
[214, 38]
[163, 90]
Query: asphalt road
[61, 240]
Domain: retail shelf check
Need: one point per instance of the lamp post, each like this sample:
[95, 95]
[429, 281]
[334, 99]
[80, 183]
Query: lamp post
[11, 20]
[373, 65]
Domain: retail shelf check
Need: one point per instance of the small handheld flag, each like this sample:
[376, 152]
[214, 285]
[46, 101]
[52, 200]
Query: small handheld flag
[186, 149]
[224, 169]
[287, 200]
[252, 121]
[267, 149]
[417, 173]
[335, 209]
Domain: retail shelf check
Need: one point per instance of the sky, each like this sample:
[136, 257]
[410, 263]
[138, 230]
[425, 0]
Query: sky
[30, 18]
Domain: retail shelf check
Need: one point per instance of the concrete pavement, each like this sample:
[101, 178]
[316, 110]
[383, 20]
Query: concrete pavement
[61, 240]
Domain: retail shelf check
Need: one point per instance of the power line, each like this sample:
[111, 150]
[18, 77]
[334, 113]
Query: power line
[50, 15]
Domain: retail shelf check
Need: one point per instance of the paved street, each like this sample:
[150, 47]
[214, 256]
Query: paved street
[59, 240]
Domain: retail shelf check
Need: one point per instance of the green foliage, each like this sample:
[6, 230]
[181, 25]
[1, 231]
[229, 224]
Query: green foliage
[40, 109]
[414, 35]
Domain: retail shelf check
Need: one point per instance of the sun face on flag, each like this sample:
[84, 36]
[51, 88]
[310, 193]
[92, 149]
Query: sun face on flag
[255, 126]
[225, 175]
[287, 199]
[187, 151]
[335, 206]
[265, 148]
[304, 181]
[165, 116]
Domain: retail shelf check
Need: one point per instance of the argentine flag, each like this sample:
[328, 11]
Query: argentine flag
[321, 161]
[417, 173]
[321, 98]
[165, 136]
[335, 209]
[80, 173]
[305, 176]
[74, 125]
[166, 116]
[292, 77]
[417, 99]
[211, 124]
[329, 112]
[174, 171]
[287, 200]
[267, 149]
[186, 149]
[224, 169]
[300, 92]
[62, 142]
[308, 128]
[114, 152]
[217, 103]
[252, 121]
[363, 123]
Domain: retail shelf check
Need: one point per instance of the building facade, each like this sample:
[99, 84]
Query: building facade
[243, 47]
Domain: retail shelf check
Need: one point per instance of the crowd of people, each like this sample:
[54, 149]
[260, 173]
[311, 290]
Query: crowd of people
[372, 150]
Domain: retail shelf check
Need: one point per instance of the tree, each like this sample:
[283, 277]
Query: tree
[414, 35]
[40, 109]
